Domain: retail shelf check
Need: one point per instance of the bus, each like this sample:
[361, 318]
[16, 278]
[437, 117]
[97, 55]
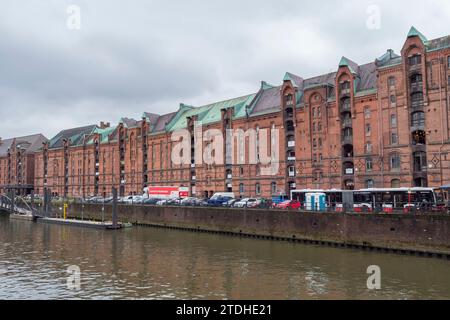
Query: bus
[336, 200]
[390, 199]
[374, 199]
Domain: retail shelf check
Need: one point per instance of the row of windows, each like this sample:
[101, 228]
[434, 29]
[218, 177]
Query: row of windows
[317, 176]
[395, 183]
[273, 188]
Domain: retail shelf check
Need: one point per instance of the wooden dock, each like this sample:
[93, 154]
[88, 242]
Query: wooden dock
[81, 223]
[26, 217]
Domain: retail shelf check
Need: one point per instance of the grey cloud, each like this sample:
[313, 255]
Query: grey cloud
[137, 56]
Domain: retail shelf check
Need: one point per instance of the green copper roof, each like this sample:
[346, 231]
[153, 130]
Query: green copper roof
[209, 113]
[265, 85]
[103, 134]
[346, 63]
[413, 32]
[288, 77]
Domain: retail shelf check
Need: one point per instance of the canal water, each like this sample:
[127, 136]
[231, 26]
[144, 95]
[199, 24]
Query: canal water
[147, 263]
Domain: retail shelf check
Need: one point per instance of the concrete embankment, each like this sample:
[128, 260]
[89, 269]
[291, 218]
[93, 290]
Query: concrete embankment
[413, 234]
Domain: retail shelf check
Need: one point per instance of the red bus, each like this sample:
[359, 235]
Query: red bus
[165, 192]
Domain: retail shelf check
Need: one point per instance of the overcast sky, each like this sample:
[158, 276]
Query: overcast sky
[134, 56]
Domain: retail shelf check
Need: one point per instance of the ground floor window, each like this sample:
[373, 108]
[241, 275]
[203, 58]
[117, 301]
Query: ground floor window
[395, 183]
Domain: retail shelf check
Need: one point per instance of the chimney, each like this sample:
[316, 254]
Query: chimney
[104, 125]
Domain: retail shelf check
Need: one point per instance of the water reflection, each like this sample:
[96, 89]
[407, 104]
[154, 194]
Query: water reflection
[145, 263]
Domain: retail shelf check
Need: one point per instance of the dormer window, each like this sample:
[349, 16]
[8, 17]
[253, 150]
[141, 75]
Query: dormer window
[289, 98]
[415, 60]
[345, 85]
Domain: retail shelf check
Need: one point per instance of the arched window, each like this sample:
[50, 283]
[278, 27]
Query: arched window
[395, 183]
[241, 188]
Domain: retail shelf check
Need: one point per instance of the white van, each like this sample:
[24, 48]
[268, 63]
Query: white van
[223, 195]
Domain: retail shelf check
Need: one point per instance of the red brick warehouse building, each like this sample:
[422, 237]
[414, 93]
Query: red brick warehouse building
[379, 124]
[17, 162]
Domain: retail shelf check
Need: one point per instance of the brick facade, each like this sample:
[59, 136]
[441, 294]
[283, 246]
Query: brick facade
[17, 162]
[380, 124]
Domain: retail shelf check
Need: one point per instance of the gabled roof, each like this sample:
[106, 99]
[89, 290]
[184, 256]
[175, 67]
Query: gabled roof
[129, 123]
[31, 143]
[162, 121]
[268, 99]
[388, 59]
[345, 62]
[413, 32]
[439, 43]
[297, 81]
[74, 135]
[325, 79]
[209, 113]
[104, 134]
[367, 77]
[151, 117]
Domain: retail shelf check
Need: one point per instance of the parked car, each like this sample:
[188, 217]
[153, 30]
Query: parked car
[133, 199]
[162, 202]
[190, 202]
[253, 203]
[230, 203]
[151, 201]
[218, 201]
[244, 203]
[289, 204]
[174, 201]
[264, 204]
[93, 199]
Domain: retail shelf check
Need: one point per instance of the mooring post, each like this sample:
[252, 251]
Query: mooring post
[32, 202]
[114, 207]
[13, 201]
[47, 201]
[44, 205]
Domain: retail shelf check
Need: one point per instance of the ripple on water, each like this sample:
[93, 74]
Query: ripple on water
[160, 264]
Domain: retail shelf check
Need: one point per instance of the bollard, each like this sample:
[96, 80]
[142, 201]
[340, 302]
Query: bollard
[114, 207]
